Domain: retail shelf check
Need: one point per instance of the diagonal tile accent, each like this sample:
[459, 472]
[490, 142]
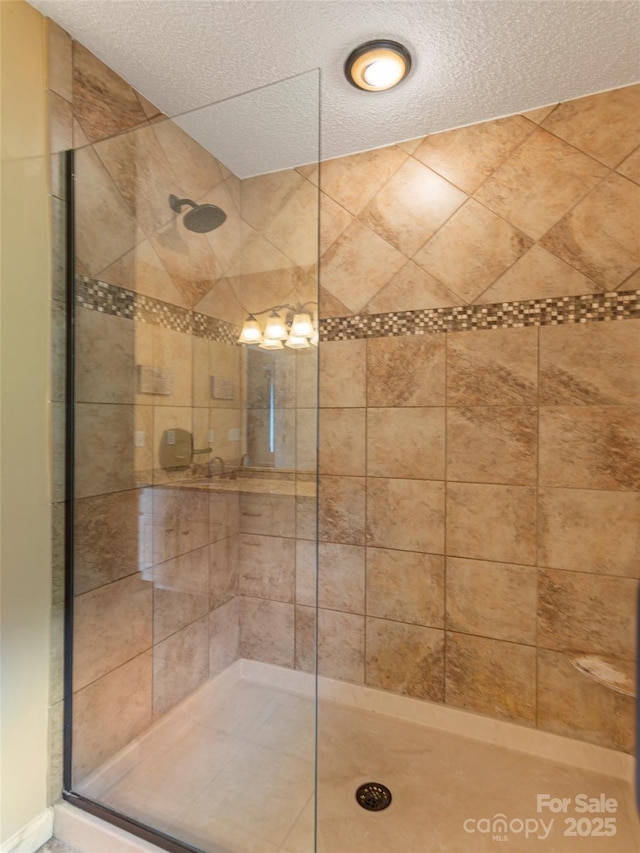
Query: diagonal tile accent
[411, 206]
[605, 126]
[358, 265]
[353, 181]
[472, 249]
[539, 183]
[468, 155]
[601, 235]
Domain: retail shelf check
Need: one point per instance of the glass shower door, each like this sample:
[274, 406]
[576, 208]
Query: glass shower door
[191, 591]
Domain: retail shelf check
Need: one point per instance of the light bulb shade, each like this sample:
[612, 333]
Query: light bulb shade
[296, 342]
[251, 333]
[301, 326]
[270, 343]
[377, 65]
[275, 330]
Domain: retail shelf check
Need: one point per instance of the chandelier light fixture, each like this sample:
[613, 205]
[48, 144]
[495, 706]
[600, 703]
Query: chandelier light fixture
[293, 326]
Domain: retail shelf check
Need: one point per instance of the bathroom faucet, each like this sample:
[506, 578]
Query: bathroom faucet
[211, 464]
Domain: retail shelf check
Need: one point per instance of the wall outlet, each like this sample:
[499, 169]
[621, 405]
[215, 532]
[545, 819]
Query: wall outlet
[233, 435]
[210, 436]
[171, 437]
[139, 439]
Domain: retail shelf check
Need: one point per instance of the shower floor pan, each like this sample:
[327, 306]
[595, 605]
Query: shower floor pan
[232, 769]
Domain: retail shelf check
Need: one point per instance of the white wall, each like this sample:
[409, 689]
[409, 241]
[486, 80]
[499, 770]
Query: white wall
[24, 456]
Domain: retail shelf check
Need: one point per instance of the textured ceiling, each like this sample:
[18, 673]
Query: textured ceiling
[473, 60]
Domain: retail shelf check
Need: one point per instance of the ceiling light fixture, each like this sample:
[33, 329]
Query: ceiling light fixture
[378, 65]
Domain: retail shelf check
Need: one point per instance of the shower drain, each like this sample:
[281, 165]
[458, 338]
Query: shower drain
[373, 796]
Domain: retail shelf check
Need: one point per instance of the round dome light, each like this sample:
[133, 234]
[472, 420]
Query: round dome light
[377, 65]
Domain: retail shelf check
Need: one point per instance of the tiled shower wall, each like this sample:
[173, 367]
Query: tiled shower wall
[155, 561]
[479, 510]
[480, 420]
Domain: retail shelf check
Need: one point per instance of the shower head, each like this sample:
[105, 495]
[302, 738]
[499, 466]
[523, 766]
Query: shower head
[201, 218]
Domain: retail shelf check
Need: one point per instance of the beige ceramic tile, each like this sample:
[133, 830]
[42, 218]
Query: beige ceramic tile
[468, 155]
[111, 539]
[58, 545]
[56, 653]
[492, 444]
[57, 367]
[267, 567]
[109, 714]
[140, 270]
[59, 50]
[55, 754]
[589, 531]
[103, 103]
[224, 557]
[104, 449]
[180, 522]
[405, 587]
[267, 631]
[167, 418]
[341, 510]
[471, 250]
[406, 371]
[306, 572]
[605, 125]
[263, 197]
[111, 625]
[353, 181]
[411, 206]
[495, 600]
[630, 167]
[537, 275]
[271, 515]
[58, 250]
[334, 219]
[224, 515]
[306, 458]
[224, 631]
[60, 123]
[343, 373]
[409, 145]
[140, 170]
[600, 235]
[196, 170]
[595, 447]
[106, 229]
[585, 613]
[573, 705]
[180, 593]
[407, 515]
[180, 665]
[491, 677]
[294, 228]
[540, 182]
[305, 654]
[340, 577]
[490, 522]
[330, 305]
[105, 347]
[411, 288]
[358, 265]
[538, 115]
[406, 442]
[342, 442]
[406, 659]
[497, 369]
[590, 364]
[190, 262]
[341, 646]
[58, 454]
[306, 518]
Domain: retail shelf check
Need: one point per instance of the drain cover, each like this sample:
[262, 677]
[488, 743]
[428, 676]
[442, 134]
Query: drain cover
[373, 796]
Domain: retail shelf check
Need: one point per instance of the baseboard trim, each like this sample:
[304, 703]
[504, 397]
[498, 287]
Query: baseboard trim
[32, 836]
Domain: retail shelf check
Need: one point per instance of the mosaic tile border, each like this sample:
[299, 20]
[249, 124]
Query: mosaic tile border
[556, 311]
[119, 302]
